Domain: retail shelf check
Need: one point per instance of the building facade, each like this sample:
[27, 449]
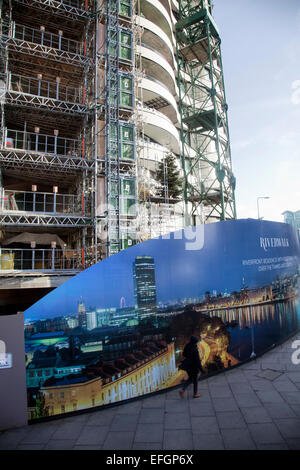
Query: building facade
[292, 218]
[95, 96]
[145, 376]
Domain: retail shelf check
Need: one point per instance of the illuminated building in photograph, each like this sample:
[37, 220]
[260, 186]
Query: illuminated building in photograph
[144, 285]
[151, 369]
[82, 316]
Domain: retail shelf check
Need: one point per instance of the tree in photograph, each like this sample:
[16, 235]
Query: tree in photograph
[41, 410]
[169, 178]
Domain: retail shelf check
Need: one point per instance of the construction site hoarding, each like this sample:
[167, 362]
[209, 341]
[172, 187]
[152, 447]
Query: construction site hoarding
[118, 329]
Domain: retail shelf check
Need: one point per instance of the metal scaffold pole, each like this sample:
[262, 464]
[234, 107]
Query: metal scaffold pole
[209, 187]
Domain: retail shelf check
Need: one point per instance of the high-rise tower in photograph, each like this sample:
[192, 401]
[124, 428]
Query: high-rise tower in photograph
[114, 130]
[144, 285]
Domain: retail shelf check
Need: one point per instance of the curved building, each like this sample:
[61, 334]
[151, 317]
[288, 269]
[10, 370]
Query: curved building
[113, 130]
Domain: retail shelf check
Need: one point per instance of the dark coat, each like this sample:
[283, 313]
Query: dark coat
[192, 362]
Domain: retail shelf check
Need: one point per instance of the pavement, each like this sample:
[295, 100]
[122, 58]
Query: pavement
[254, 406]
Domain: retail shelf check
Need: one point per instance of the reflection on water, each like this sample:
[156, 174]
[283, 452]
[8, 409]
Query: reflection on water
[259, 327]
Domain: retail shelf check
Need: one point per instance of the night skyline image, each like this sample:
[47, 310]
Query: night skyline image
[118, 329]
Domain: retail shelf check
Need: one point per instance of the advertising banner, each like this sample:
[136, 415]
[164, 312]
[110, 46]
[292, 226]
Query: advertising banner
[118, 329]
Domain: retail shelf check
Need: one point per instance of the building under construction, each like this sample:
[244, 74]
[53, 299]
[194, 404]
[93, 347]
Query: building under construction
[97, 98]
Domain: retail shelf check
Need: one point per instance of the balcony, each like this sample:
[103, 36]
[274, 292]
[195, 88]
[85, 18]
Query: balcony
[157, 96]
[38, 93]
[41, 143]
[32, 259]
[160, 129]
[43, 44]
[72, 9]
[43, 203]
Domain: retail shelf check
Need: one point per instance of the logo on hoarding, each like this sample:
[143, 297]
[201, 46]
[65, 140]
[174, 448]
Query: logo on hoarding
[296, 354]
[267, 243]
[193, 236]
[5, 361]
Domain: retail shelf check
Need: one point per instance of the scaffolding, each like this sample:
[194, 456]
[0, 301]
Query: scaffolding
[116, 125]
[206, 157]
[47, 94]
[72, 111]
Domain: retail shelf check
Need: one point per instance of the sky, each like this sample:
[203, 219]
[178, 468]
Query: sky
[261, 52]
[180, 272]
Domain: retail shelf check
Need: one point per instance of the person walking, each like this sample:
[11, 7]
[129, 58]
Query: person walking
[192, 365]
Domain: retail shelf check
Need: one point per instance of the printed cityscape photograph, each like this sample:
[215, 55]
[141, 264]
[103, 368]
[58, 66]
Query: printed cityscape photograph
[118, 330]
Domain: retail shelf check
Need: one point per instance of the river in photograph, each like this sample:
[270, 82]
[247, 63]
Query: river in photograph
[256, 328]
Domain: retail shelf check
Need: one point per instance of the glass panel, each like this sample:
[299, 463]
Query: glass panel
[127, 151]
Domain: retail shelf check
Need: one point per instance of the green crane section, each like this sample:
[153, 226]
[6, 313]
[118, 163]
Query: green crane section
[209, 182]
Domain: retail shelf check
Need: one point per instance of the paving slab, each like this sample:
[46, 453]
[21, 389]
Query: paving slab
[225, 404]
[60, 444]
[93, 435]
[296, 409]
[208, 441]
[101, 418]
[68, 431]
[205, 425]
[157, 401]
[129, 408]
[293, 398]
[220, 391]
[289, 427]
[246, 400]
[238, 439]
[198, 408]
[9, 440]
[280, 410]
[151, 415]
[177, 421]
[177, 406]
[147, 446]
[31, 447]
[41, 433]
[255, 415]
[270, 397]
[265, 433]
[231, 420]
[282, 446]
[293, 444]
[178, 440]
[238, 388]
[118, 441]
[269, 374]
[294, 376]
[149, 433]
[124, 422]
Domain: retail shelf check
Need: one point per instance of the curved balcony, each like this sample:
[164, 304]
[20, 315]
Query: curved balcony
[156, 95]
[175, 4]
[157, 39]
[156, 12]
[155, 65]
[160, 129]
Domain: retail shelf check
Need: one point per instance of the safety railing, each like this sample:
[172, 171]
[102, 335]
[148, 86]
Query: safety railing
[37, 202]
[42, 143]
[43, 38]
[38, 259]
[43, 88]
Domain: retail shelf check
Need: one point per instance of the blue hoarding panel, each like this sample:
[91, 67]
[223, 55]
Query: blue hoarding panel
[118, 329]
